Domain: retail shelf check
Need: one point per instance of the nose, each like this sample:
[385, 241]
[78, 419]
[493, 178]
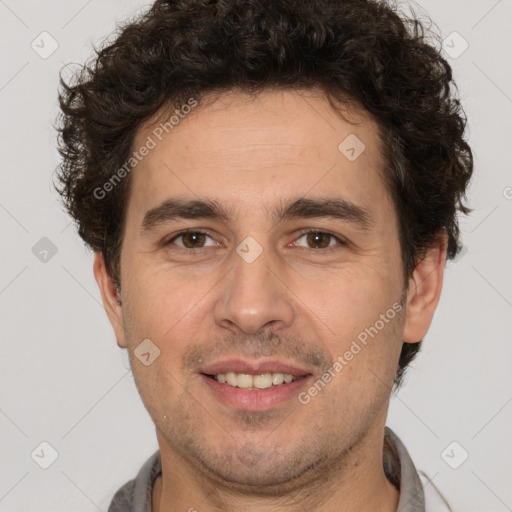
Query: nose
[254, 297]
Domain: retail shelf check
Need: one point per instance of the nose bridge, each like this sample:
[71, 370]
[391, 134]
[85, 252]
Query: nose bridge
[252, 296]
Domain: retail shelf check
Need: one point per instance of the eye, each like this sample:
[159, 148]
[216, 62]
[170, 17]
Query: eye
[192, 239]
[313, 240]
[316, 239]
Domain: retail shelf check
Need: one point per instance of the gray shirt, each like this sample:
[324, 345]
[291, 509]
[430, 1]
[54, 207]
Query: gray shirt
[135, 495]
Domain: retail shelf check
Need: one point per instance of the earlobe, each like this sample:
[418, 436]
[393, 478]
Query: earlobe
[111, 298]
[424, 292]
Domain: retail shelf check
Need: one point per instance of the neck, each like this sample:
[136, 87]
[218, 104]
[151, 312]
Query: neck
[354, 483]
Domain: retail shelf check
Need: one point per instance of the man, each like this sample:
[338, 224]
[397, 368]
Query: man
[271, 189]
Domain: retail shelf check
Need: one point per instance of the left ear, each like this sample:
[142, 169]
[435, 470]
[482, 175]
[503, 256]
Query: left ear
[424, 291]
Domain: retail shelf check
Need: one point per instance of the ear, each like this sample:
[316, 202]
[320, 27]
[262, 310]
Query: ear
[111, 298]
[424, 291]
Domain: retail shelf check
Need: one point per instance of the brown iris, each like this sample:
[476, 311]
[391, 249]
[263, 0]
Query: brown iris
[193, 240]
[318, 239]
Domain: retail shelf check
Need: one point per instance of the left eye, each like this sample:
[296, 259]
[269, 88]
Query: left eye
[320, 239]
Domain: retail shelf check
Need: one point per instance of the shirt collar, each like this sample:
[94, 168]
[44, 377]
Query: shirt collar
[400, 471]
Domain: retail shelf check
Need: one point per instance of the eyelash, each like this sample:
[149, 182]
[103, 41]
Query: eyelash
[301, 234]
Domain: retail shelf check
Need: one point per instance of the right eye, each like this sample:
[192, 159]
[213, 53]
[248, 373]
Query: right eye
[191, 240]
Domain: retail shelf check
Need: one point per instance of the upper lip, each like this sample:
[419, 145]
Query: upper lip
[253, 367]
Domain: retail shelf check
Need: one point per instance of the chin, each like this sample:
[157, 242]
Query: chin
[260, 481]
[253, 470]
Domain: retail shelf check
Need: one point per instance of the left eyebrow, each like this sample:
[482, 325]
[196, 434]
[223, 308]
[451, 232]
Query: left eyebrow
[335, 208]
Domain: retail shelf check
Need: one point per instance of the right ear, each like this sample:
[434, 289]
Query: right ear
[111, 298]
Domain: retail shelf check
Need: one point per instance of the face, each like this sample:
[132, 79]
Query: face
[289, 268]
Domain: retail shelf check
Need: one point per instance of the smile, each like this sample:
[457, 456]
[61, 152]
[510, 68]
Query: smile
[254, 382]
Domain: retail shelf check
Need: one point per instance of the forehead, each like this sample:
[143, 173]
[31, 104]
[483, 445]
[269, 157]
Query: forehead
[256, 150]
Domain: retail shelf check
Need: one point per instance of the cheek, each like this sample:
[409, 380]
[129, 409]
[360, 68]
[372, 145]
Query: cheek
[334, 304]
[347, 300]
[356, 322]
[160, 301]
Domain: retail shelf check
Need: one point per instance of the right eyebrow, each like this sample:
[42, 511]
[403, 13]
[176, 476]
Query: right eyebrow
[173, 209]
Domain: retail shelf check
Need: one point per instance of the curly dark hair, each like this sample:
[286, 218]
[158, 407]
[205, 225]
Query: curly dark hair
[360, 51]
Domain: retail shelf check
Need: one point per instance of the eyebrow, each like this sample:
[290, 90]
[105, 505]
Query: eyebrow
[335, 208]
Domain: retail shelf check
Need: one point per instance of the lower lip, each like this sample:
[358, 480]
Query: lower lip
[256, 399]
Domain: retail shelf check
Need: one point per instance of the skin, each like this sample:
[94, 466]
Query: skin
[253, 153]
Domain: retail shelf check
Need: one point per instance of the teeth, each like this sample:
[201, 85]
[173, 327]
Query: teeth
[231, 379]
[262, 381]
[246, 381]
[277, 378]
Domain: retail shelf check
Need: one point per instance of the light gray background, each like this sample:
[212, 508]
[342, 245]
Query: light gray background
[65, 381]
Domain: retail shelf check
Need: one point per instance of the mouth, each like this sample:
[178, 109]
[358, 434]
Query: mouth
[254, 386]
[254, 382]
